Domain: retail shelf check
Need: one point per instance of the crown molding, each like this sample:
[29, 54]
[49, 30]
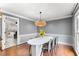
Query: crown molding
[29, 19]
[15, 15]
[59, 18]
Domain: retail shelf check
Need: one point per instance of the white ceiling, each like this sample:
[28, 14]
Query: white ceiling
[50, 11]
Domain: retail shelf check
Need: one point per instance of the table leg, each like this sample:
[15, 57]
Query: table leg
[36, 50]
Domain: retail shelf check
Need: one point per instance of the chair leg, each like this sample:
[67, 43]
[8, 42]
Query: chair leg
[54, 46]
[49, 53]
[49, 47]
[30, 50]
[55, 50]
[41, 54]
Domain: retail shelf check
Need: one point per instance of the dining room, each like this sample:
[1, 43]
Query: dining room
[39, 29]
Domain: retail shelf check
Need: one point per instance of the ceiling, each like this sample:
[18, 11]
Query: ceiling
[50, 11]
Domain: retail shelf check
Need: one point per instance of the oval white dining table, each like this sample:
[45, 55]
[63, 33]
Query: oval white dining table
[37, 44]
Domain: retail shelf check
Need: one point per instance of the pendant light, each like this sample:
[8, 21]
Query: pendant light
[40, 23]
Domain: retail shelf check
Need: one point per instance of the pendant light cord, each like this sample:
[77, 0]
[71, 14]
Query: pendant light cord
[40, 15]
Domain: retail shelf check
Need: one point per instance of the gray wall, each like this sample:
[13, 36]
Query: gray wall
[26, 27]
[63, 26]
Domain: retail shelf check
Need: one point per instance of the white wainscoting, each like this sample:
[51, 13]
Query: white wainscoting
[25, 37]
[62, 39]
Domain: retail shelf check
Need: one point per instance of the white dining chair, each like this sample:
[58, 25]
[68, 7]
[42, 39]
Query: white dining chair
[48, 46]
[55, 45]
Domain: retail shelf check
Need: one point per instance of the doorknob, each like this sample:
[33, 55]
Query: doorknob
[16, 22]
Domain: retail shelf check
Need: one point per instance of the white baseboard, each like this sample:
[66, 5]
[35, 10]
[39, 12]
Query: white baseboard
[65, 43]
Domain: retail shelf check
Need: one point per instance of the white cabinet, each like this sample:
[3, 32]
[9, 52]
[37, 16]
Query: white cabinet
[10, 31]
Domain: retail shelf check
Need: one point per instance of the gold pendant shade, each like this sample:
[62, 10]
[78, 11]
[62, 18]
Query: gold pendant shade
[40, 23]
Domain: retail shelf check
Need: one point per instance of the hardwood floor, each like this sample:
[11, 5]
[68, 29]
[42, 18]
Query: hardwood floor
[61, 50]
[24, 50]
[20, 50]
